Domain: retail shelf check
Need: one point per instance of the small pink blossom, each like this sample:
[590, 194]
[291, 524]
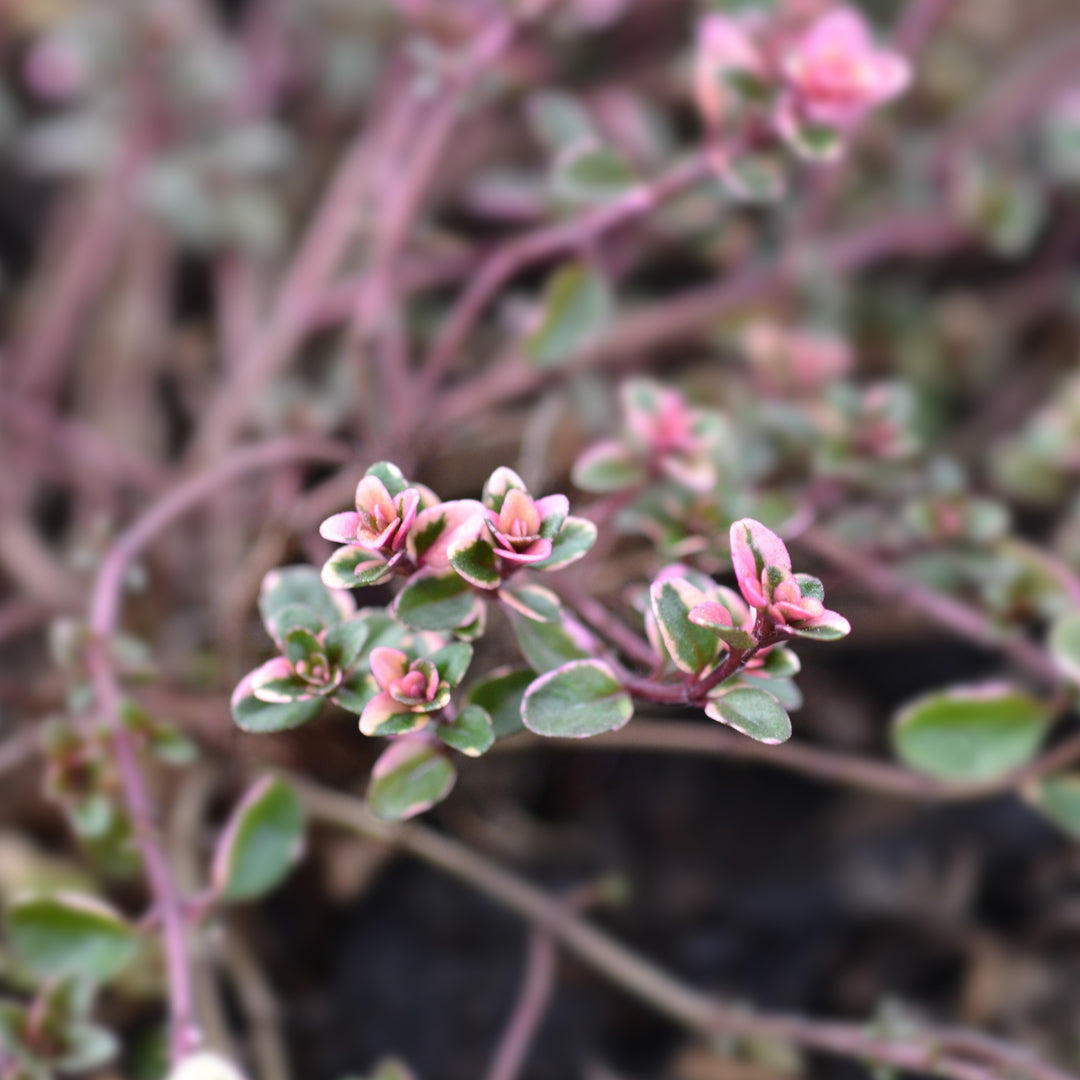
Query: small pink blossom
[789, 606]
[793, 360]
[763, 571]
[520, 527]
[408, 689]
[380, 523]
[835, 73]
[281, 680]
[671, 435]
[515, 528]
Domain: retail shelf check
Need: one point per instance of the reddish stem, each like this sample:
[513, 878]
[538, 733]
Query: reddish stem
[544, 243]
[104, 612]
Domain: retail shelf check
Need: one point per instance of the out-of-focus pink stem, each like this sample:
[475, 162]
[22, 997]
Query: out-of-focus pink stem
[682, 317]
[290, 314]
[104, 612]
[38, 353]
[70, 438]
[918, 22]
[543, 243]
[531, 1005]
[960, 618]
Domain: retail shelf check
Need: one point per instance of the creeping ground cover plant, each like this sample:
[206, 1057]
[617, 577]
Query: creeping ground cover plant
[539, 540]
[399, 666]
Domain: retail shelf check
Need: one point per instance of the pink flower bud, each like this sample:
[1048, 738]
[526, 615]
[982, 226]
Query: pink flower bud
[789, 606]
[795, 361]
[379, 523]
[515, 529]
[755, 549]
[409, 691]
[419, 684]
[388, 665]
[835, 73]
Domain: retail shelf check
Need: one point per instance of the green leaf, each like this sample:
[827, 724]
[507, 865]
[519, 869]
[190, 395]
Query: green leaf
[171, 746]
[69, 935]
[1064, 642]
[392, 477]
[692, 648]
[475, 628]
[356, 689]
[294, 617]
[577, 307]
[410, 777]
[558, 119]
[345, 642]
[475, 562]
[263, 717]
[87, 1047]
[533, 602]
[573, 541]
[433, 601]
[500, 695]
[350, 567]
[471, 732]
[576, 701]
[838, 627]
[1058, 799]
[784, 690]
[817, 141]
[297, 586]
[384, 629]
[755, 713]
[452, 661]
[781, 663]
[165, 741]
[757, 178]
[301, 645]
[262, 840]
[545, 646]
[709, 617]
[971, 733]
[606, 467]
[402, 723]
[589, 173]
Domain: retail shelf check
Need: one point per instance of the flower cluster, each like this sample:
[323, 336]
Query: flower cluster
[320, 638]
[399, 667]
[403, 528]
[793, 360]
[662, 437]
[410, 691]
[509, 529]
[816, 73]
[731, 649]
[785, 600]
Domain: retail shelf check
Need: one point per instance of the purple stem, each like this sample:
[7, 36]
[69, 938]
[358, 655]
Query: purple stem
[686, 316]
[529, 1010]
[962, 619]
[104, 612]
[543, 243]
